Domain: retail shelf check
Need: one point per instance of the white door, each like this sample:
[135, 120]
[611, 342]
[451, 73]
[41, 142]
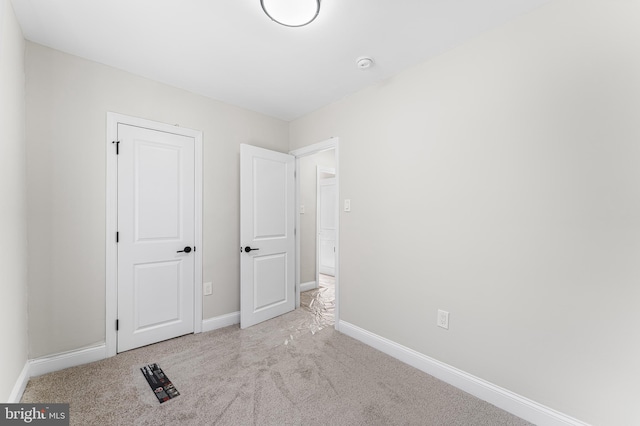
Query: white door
[267, 218]
[156, 229]
[327, 212]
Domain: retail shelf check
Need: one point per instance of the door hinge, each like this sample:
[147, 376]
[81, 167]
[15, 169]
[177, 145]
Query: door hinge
[117, 237]
[117, 147]
[117, 325]
[194, 248]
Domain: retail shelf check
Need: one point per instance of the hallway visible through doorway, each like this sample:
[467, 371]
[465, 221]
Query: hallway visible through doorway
[321, 302]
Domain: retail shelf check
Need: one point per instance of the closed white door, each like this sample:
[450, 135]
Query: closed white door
[327, 216]
[156, 232]
[267, 222]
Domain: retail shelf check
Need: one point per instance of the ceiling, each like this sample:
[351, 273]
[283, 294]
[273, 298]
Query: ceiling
[231, 51]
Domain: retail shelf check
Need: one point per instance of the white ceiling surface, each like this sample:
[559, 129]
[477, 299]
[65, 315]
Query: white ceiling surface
[231, 51]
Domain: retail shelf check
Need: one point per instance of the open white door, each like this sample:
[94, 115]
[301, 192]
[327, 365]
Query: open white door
[156, 229]
[267, 223]
[327, 218]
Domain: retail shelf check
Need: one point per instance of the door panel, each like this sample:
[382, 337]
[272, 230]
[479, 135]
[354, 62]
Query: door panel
[157, 196]
[157, 293]
[270, 198]
[267, 221]
[156, 220]
[270, 271]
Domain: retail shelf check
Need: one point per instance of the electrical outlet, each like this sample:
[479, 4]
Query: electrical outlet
[208, 289]
[443, 319]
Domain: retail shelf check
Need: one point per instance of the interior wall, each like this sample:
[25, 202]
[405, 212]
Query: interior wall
[308, 198]
[13, 204]
[67, 103]
[502, 184]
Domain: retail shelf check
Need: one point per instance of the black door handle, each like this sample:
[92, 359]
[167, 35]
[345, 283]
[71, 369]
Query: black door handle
[185, 250]
[248, 249]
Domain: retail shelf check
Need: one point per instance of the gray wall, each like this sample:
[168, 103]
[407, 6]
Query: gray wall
[67, 102]
[308, 197]
[13, 204]
[512, 165]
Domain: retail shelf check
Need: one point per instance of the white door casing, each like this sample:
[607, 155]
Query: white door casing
[154, 195]
[326, 225]
[267, 223]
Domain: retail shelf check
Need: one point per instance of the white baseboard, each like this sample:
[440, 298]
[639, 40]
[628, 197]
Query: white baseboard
[308, 286]
[49, 364]
[44, 365]
[64, 360]
[220, 322]
[509, 401]
[21, 384]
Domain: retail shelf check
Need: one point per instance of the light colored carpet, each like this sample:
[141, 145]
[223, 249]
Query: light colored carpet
[275, 373]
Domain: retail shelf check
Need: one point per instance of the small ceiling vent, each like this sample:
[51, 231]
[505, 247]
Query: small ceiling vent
[364, 63]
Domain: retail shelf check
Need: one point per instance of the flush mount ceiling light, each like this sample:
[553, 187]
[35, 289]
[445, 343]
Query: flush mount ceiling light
[291, 13]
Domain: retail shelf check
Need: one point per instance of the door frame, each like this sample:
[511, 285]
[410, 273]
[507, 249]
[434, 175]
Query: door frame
[319, 171]
[111, 249]
[333, 143]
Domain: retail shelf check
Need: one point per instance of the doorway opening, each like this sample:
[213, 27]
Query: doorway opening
[153, 232]
[317, 242]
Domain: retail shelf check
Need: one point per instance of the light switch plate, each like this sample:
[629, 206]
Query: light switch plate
[208, 289]
[302, 209]
[443, 319]
[347, 205]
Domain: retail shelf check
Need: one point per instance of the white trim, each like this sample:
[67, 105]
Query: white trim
[308, 286]
[509, 401]
[21, 383]
[111, 294]
[111, 265]
[221, 321]
[198, 214]
[333, 143]
[316, 147]
[64, 360]
[297, 232]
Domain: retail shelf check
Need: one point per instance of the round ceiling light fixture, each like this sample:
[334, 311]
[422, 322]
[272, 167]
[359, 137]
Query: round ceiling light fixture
[291, 13]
